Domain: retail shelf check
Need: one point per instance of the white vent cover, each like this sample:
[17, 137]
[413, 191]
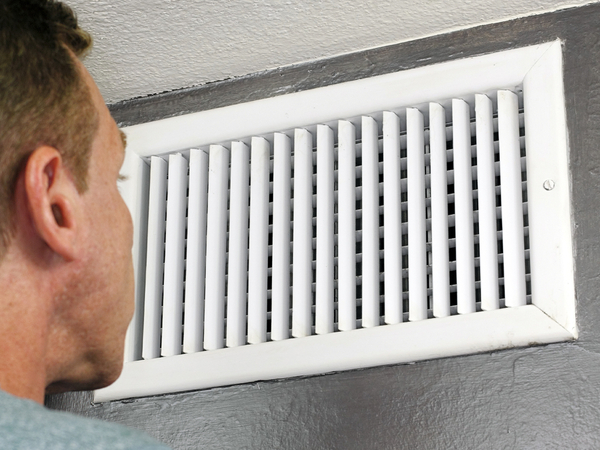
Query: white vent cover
[404, 217]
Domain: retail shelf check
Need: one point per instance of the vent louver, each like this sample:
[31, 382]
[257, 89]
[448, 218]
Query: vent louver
[310, 248]
[399, 220]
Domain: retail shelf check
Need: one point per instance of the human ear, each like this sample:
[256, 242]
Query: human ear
[53, 201]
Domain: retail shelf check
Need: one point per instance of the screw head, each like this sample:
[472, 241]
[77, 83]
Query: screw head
[549, 185]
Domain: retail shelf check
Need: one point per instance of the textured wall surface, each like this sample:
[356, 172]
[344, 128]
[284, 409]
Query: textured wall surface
[149, 46]
[545, 397]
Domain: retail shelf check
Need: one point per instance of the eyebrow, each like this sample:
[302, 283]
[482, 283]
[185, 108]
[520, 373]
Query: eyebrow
[123, 139]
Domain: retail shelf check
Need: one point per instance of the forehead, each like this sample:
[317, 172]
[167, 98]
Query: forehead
[109, 141]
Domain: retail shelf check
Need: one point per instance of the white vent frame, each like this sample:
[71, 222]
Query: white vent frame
[550, 318]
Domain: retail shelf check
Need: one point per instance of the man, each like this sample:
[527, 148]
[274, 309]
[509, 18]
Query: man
[66, 283]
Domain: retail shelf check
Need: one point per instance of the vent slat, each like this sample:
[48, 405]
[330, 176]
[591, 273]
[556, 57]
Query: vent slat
[463, 201]
[155, 265]
[392, 175]
[237, 261]
[259, 240]
[417, 256]
[282, 176]
[216, 245]
[193, 326]
[486, 196]
[439, 211]
[512, 198]
[134, 337]
[346, 220]
[302, 256]
[174, 256]
[325, 230]
[370, 223]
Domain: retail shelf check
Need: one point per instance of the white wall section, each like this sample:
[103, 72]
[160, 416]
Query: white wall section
[152, 46]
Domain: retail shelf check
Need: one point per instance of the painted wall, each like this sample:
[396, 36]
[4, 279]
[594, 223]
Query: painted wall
[545, 397]
[145, 47]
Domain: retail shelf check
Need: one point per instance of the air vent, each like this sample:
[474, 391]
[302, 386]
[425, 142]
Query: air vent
[401, 233]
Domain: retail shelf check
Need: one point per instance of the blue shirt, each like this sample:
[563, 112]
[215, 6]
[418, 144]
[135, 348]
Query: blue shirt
[27, 425]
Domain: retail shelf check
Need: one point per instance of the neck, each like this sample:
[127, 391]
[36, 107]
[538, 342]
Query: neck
[30, 385]
[22, 368]
[24, 329]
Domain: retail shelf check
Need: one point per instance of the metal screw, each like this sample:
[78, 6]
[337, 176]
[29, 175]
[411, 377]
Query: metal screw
[549, 185]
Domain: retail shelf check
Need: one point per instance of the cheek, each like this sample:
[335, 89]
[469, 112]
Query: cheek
[112, 234]
[118, 226]
[125, 253]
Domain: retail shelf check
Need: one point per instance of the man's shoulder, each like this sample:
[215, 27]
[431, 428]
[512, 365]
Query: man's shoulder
[26, 425]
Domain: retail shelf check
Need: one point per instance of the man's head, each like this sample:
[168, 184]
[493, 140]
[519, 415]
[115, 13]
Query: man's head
[66, 273]
[43, 98]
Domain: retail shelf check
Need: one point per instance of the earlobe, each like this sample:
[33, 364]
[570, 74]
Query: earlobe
[53, 201]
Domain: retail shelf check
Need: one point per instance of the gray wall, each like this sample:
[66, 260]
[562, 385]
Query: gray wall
[536, 398]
